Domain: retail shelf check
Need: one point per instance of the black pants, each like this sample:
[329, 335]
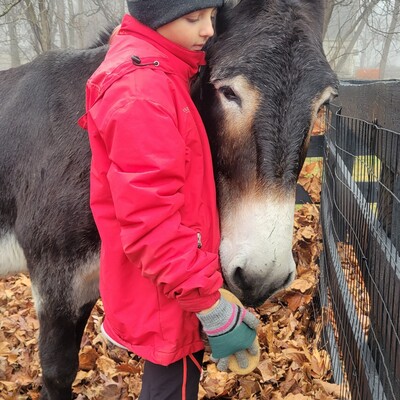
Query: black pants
[178, 381]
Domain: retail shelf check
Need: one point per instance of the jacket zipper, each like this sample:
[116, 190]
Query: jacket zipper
[199, 244]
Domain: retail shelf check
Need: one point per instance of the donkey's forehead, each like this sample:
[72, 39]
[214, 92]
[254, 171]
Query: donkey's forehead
[264, 55]
[275, 38]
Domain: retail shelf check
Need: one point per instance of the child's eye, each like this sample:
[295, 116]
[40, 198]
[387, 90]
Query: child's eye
[193, 17]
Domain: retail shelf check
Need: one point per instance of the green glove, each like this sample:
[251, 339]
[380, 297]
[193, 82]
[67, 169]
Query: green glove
[230, 330]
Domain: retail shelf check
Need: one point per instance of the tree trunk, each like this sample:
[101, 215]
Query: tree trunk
[61, 23]
[9, 7]
[359, 20]
[389, 39]
[329, 6]
[83, 23]
[14, 48]
[349, 48]
[71, 23]
[34, 24]
[45, 24]
[105, 10]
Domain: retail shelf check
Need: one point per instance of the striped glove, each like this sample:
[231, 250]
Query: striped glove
[231, 331]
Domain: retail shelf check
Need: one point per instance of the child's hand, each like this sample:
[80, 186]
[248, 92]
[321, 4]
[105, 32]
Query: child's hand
[231, 331]
[242, 360]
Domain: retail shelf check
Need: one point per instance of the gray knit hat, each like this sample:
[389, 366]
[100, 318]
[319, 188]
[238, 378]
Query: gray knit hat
[155, 13]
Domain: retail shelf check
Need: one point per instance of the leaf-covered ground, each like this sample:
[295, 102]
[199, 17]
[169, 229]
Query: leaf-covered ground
[293, 365]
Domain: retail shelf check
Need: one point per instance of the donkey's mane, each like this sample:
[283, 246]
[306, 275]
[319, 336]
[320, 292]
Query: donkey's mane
[103, 37]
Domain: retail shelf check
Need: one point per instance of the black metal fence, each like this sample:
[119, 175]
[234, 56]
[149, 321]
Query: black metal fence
[360, 265]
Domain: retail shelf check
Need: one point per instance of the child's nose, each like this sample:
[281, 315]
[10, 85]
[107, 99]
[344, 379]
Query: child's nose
[207, 29]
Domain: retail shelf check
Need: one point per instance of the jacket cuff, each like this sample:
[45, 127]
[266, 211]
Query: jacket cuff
[198, 304]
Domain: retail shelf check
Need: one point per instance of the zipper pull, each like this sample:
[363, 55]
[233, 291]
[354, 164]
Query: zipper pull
[199, 244]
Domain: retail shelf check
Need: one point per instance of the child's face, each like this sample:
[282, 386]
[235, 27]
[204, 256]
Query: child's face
[191, 30]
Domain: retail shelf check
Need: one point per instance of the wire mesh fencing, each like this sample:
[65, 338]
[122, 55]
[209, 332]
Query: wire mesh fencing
[360, 264]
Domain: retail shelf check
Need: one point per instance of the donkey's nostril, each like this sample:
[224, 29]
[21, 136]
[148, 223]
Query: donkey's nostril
[282, 285]
[240, 278]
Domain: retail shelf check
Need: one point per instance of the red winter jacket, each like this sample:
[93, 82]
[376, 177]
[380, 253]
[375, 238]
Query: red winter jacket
[152, 195]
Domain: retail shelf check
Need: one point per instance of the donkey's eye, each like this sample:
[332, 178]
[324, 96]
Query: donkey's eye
[229, 94]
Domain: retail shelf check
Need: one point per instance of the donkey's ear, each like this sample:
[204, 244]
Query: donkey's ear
[223, 14]
[228, 4]
[315, 11]
[317, 6]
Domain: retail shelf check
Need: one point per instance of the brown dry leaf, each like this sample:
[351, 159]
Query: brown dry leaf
[329, 388]
[320, 363]
[295, 300]
[269, 308]
[312, 185]
[202, 393]
[106, 365]
[319, 127]
[270, 336]
[9, 386]
[23, 280]
[128, 368]
[83, 376]
[305, 233]
[266, 369]
[4, 348]
[33, 395]
[248, 388]
[287, 384]
[297, 396]
[216, 382]
[301, 284]
[111, 389]
[312, 168]
[296, 355]
[134, 385]
[87, 358]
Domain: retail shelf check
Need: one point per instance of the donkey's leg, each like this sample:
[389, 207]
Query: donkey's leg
[64, 302]
[84, 315]
[59, 344]
[58, 354]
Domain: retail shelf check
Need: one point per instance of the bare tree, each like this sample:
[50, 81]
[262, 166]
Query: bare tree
[37, 26]
[106, 10]
[13, 35]
[61, 23]
[363, 33]
[39, 21]
[353, 31]
[329, 7]
[389, 39]
[8, 7]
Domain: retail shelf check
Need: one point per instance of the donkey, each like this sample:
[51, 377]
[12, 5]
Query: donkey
[267, 77]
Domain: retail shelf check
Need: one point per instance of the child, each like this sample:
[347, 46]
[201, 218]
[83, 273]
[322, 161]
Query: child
[154, 203]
